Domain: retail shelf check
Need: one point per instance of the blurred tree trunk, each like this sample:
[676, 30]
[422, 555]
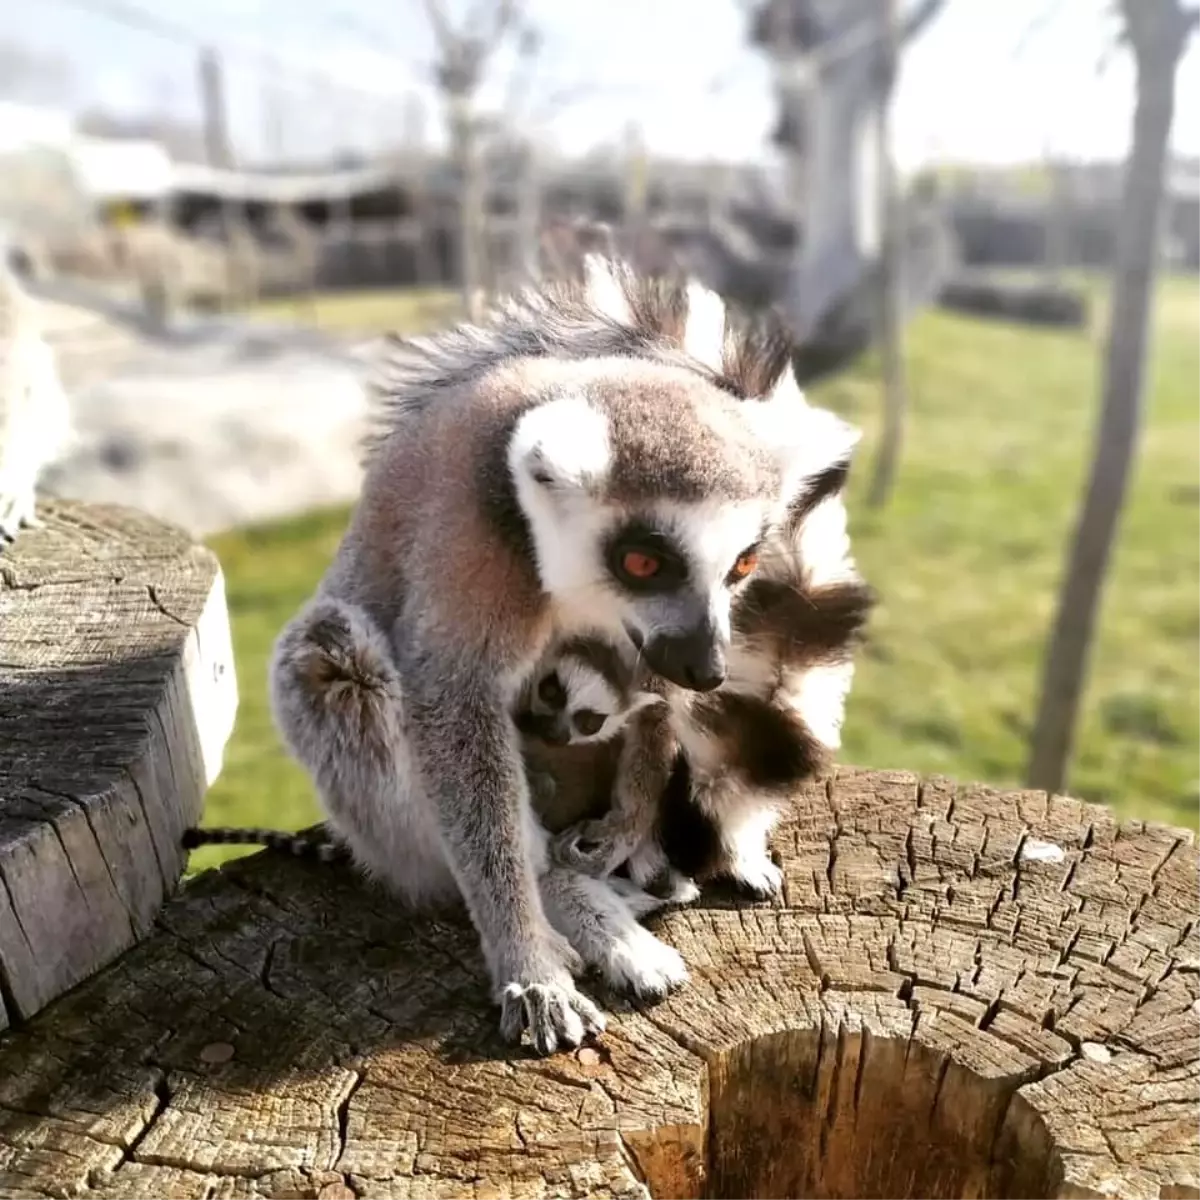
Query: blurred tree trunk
[529, 213]
[462, 57]
[889, 281]
[1158, 31]
[471, 232]
[826, 58]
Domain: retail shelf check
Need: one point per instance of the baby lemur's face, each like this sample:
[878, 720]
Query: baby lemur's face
[572, 701]
[569, 703]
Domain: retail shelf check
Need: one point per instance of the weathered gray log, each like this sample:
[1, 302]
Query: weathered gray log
[963, 993]
[117, 696]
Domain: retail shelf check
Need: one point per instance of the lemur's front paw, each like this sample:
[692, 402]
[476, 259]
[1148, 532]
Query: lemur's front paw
[758, 876]
[639, 902]
[592, 847]
[557, 1016]
[540, 995]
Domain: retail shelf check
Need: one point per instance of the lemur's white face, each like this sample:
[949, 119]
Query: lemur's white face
[651, 551]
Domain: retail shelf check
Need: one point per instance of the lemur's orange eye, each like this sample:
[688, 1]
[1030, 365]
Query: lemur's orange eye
[639, 565]
[745, 564]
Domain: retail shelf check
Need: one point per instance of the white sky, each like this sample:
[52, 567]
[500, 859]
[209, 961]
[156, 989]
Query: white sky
[680, 68]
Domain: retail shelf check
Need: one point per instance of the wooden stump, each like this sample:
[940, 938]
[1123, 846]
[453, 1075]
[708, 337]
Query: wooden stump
[117, 695]
[964, 993]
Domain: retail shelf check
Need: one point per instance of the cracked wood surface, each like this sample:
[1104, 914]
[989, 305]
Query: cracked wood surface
[962, 993]
[117, 695]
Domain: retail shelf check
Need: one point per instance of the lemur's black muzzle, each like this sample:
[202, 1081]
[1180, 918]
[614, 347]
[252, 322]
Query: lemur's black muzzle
[694, 659]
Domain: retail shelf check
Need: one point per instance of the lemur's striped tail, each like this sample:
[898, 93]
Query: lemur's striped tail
[315, 842]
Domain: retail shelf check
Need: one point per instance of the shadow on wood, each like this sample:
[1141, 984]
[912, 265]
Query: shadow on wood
[117, 696]
[963, 993]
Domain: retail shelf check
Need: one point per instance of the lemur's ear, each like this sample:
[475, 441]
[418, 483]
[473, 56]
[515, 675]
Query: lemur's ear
[806, 440]
[704, 328]
[561, 444]
[605, 289]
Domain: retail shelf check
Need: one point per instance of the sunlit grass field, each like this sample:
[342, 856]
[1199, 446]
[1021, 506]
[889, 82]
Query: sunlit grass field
[967, 558]
[367, 312]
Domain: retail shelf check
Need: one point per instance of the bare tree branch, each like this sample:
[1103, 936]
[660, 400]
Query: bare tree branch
[917, 20]
[463, 55]
[1158, 30]
[1043, 17]
[866, 35]
[443, 32]
[504, 17]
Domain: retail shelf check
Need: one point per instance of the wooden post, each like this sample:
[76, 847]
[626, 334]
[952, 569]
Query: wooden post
[635, 182]
[117, 695]
[964, 993]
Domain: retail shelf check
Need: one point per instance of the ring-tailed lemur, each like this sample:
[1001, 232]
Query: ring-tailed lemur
[756, 744]
[35, 417]
[597, 457]
[791, 619]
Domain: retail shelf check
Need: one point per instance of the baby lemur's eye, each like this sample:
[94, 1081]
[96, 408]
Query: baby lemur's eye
[551, 691]
[588, 722]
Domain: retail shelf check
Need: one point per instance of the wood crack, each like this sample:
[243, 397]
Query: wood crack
[162, 1095]
[343, 1115]
[152, 591]
[830, 1046]
[82, 807]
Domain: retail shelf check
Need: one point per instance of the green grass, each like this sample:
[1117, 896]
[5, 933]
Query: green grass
[967, 557]
[365, 312]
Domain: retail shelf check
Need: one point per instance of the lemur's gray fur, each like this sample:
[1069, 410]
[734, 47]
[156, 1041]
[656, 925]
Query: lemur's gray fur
[35, 418]
[526, 473]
